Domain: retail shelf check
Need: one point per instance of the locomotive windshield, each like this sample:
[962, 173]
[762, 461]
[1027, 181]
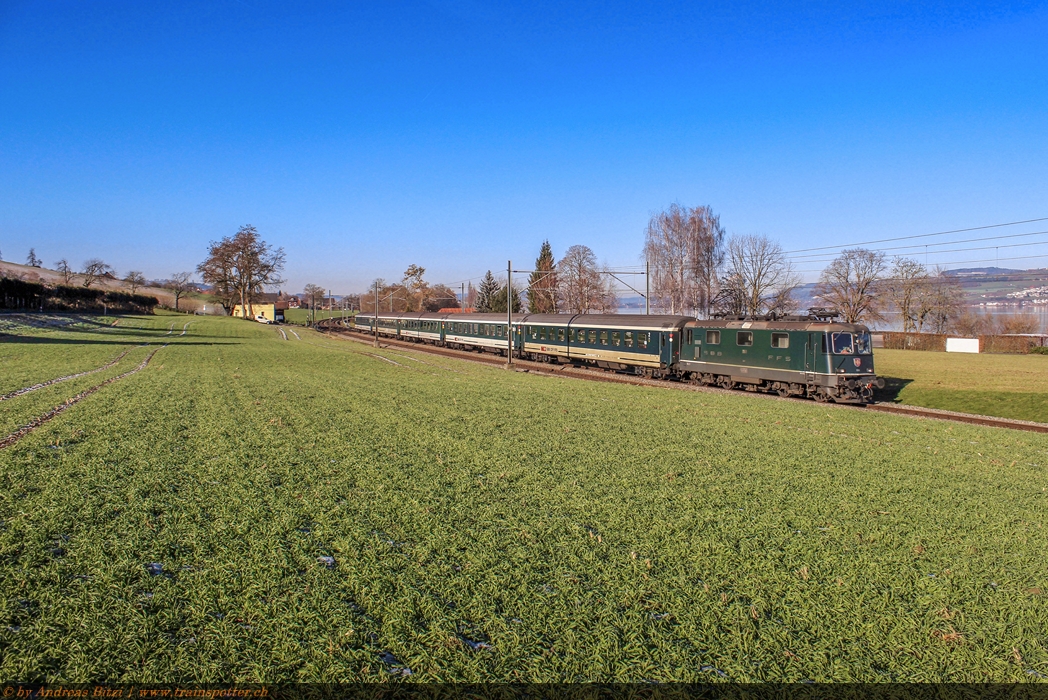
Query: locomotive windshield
[863, 346]
[851, 343]
[842, 344]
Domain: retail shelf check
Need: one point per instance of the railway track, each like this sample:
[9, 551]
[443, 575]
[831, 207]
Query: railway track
[600, 375]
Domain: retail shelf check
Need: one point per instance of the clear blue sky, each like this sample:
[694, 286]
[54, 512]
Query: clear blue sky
[363, 137]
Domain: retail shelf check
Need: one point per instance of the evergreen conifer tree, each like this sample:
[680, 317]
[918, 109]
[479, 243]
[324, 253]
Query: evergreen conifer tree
[489, 287]
[542, 285]
[498, 301]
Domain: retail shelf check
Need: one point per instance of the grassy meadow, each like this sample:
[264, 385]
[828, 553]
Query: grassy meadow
[250, 508]
[301, 316]
[1007, 386]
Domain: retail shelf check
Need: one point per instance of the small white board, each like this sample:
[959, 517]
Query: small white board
[962, 345]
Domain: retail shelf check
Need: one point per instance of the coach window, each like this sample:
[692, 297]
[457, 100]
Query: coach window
[629, 339]
[616, 338]
[744, 338]
[642, 340]
[603, 337]
[560, 335]
[593, 337]
[780, 340]
[713, 337]
[542, 333]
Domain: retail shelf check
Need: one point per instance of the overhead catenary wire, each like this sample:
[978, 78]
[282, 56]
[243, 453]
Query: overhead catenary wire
[921, 235]
[920, 246]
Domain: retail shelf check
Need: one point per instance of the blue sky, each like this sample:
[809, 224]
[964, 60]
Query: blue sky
[363, 137]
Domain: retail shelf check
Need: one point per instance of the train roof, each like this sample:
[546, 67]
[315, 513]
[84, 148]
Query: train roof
[614, 321]
[623, 321]
[780, 325]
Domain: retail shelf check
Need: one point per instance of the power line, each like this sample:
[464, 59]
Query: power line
[966, 262]
[815, 256]
[959, 250]
[923, 235]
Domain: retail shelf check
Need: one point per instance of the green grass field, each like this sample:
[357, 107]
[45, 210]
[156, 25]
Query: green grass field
[301, 316]
[491, 525]
[1008, 386]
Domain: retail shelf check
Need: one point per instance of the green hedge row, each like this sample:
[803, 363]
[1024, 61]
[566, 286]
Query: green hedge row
[18, 294]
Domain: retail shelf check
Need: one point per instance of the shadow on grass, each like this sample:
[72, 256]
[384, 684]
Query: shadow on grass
[157, 340]
[893, 386]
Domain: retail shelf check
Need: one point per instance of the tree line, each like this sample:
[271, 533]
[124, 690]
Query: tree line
[697, 270]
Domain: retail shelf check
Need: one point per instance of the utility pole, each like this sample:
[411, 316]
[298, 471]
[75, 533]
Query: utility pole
[375, 319]
[647, 286]
[509, 313]
[463, 303]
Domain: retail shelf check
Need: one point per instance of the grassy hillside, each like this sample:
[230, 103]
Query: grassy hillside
[1008, 386]
[301, 316]
[258, 509]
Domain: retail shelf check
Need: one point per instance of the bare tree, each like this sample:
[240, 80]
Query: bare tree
[707, 255]
[241, 267]
[62, 266]
[608, 302]
[907, 290]
[135, 279]
[1018, 323]
[417, 287]
[94, 270]
[684, 249]
[944, 297]
[849, 284]
[580, 289]
[179, 285]
[313, 292]
[31, 260]
[759, 276]
[441, 297]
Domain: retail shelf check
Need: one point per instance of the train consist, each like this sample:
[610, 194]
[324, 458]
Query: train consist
[806, 356]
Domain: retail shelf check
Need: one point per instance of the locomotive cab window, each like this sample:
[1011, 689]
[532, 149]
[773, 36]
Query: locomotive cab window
[713, 337]
[842, 344]
[780, 340]
[744, 338]
[863, 346]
